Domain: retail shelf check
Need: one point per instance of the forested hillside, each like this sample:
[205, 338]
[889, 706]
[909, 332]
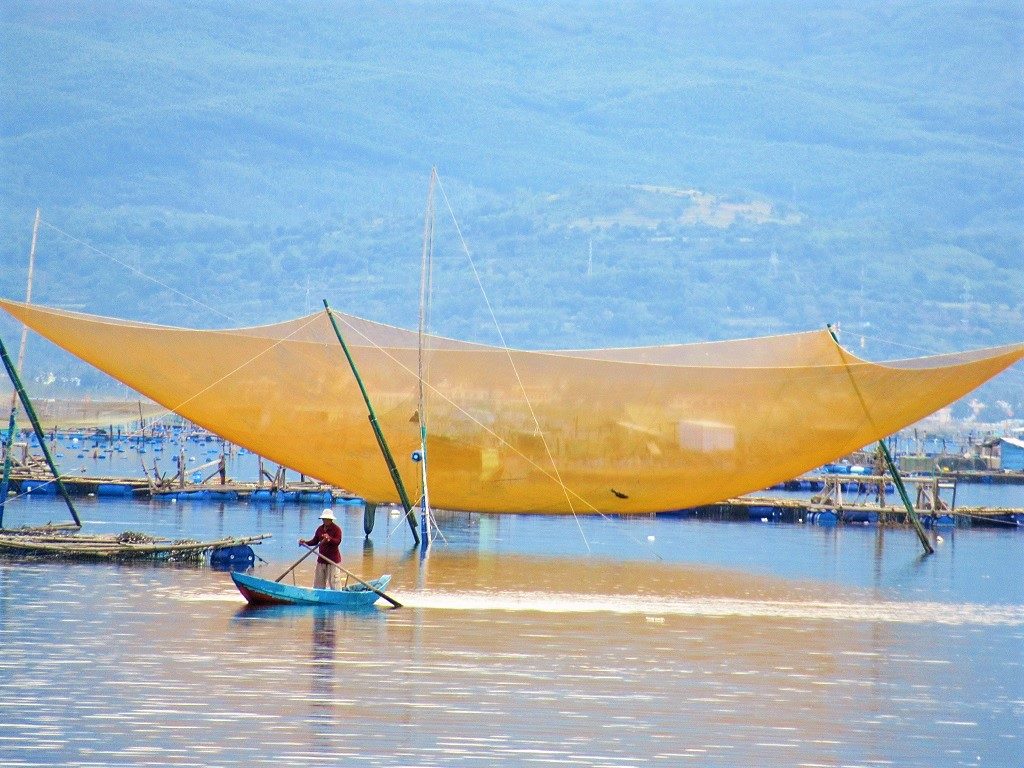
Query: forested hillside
[622, 174]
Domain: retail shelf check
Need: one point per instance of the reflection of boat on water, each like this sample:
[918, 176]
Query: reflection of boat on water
[614, 431]
[266, 592]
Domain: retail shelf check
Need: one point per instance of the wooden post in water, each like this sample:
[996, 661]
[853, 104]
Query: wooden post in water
[396, 476]
[8, 447]
[27, 405]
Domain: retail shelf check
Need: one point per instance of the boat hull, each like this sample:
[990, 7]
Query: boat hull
[259, 591]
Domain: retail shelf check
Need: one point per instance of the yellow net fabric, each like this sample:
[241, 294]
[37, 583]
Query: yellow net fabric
[617, 431]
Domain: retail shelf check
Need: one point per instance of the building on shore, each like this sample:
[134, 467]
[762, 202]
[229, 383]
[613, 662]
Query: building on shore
[1002, 453]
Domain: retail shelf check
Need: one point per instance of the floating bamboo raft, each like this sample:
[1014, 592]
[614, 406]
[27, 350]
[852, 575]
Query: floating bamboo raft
[130, 545]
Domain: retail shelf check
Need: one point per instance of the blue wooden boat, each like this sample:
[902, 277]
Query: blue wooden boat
[265, 592]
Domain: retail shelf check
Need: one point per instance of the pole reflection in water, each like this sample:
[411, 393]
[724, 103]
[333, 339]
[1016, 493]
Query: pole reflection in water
[322, 678]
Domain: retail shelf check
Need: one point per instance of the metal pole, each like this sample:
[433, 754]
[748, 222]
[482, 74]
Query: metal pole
[27, 405]
[396, 477]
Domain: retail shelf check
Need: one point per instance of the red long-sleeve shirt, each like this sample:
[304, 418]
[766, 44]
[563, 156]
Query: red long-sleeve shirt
[328, 536]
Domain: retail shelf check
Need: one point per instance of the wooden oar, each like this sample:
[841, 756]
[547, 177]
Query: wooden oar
[349, 573]
[295, 564]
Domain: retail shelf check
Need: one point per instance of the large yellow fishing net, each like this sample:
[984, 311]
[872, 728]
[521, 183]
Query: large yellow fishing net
[614, 430]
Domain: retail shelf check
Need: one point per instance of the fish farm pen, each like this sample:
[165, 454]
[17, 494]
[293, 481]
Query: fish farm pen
[859, 505]
[766, 509]
[114, 487]
[835, 496]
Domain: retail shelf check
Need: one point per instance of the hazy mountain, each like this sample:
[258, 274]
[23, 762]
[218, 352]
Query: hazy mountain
[627, 173]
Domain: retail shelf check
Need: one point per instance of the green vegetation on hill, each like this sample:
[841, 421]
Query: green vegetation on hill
[734, 170]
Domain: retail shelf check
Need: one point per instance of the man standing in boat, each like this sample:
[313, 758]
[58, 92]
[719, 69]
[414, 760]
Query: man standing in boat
[328, 537]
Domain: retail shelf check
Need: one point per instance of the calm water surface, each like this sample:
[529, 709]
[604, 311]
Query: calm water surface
[525, 642]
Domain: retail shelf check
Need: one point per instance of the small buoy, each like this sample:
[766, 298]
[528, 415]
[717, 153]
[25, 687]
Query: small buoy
[174, 501]
[938, 539]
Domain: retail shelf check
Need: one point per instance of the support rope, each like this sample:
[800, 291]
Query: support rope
[515, 370]
[138, 272]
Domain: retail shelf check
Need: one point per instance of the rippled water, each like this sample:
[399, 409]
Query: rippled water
[525, 642]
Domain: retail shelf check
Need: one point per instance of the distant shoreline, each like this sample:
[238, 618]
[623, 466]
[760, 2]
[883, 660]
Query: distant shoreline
[66, 413]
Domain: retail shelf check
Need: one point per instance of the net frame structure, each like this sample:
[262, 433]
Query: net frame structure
[613, 431]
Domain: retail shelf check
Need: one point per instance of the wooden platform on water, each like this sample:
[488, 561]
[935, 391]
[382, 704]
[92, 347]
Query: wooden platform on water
[301, 492]
[800, 510]
[742, 508]
[60, 542]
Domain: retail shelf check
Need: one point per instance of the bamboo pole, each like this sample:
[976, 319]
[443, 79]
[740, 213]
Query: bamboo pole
[27, 405]
[893, 470]
[902, 489]
[28, 288]
[93, 549]
[9, 441]
[396, 476]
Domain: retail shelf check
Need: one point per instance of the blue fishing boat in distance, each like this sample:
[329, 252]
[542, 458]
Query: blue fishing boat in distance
[266, 592]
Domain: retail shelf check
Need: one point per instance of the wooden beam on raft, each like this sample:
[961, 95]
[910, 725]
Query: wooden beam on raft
[396, 476]
[73, 546]
[27, 405]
